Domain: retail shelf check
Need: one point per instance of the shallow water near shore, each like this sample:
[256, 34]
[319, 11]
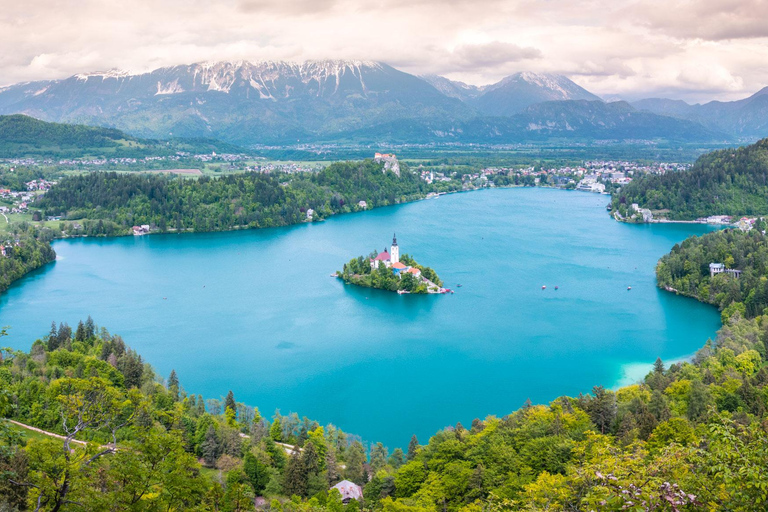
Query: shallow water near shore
[256, 311]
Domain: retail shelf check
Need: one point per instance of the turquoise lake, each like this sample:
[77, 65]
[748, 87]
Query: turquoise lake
[256, 311]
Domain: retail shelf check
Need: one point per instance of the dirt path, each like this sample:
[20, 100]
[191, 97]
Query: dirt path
[41, 431]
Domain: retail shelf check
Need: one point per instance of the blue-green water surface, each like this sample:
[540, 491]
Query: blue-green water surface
[256, 311]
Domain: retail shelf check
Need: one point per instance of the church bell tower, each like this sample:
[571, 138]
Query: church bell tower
[394, 251]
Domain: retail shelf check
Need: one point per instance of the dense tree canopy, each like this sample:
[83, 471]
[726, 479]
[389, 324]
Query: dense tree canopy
[250, 200]
[686, 270]
[724, 182]
[25, 251]
[359, 271]
[689, 437]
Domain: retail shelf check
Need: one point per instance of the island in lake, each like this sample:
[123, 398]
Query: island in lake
[387, 270]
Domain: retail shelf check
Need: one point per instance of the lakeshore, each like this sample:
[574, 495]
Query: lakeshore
[312, 338]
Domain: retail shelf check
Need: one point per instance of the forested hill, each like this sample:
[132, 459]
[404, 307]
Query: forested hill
[24, 136]
[690, 437]
[250, 200]
[686, 270]
[724, 182]
[22, 253]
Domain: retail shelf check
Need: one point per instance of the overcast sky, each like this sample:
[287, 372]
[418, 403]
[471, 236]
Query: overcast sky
[695, 50]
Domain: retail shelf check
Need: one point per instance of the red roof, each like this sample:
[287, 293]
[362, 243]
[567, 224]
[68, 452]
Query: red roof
[414, 270]
[384, 256]
[398, 265]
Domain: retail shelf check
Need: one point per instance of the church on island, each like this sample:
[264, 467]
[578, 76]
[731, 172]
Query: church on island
[391, 260]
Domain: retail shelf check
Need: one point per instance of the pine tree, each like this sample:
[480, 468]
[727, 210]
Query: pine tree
[397, 458]
[64, 336]
[413, 448]
[355, 463]
[53, 338]
[256, 472]
[602, 408]
[90, 327]
[229, 402]
[276, 430]
[379, 455]
[658, 366]
[210, 447]
[295, 481]
[80, 332]
[697, 400]
[173, 385]
[332, 467]
[659, 406]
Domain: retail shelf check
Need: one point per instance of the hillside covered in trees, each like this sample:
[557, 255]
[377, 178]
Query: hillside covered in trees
[725, 182]
[24, 251]
[250, 200]
[690, 437]
[24, 136]
[686, 270]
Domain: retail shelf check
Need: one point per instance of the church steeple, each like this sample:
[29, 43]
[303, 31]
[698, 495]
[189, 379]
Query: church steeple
[394, 251]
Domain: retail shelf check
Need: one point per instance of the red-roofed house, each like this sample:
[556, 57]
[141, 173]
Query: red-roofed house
[384, 257]
[414, 271]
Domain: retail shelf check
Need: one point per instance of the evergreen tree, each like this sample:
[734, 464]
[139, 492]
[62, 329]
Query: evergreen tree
[53, 338]
[64, 336]
[210, 447]
[397, 458]
[379, 455]
[602, 408]
[229, 402]
[80, 332]
[332, 467]
[173, 385]
[256, 472]
[355, 463]
[659, 406]
[295, 479]
[90, 327]
[697, 401]
[276, 430]
[200, 406]
[413, 448]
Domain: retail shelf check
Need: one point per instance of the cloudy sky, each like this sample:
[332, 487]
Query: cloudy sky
[689, 49]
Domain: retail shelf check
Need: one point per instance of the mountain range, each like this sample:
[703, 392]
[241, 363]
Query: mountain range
[276, 102]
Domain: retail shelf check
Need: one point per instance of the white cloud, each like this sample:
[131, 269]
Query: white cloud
[688, 49]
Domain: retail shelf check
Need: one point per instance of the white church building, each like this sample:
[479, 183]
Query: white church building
[388, 258]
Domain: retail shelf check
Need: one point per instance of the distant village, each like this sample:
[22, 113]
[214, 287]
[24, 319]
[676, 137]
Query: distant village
[599, 176]
[20, 201]
[97, 162]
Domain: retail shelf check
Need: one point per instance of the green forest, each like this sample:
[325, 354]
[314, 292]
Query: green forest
[686, 270]
[25, 251]
[249, 200]
[25, 136]
[689, 437]
[724, 182]
[358, 271]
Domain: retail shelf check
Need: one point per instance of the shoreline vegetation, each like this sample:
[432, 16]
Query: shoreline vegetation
[410, 277]
[730, 183]
[726, 268]
[689, 436]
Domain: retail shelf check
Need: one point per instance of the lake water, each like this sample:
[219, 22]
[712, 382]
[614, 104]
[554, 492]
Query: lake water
[256, 311]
